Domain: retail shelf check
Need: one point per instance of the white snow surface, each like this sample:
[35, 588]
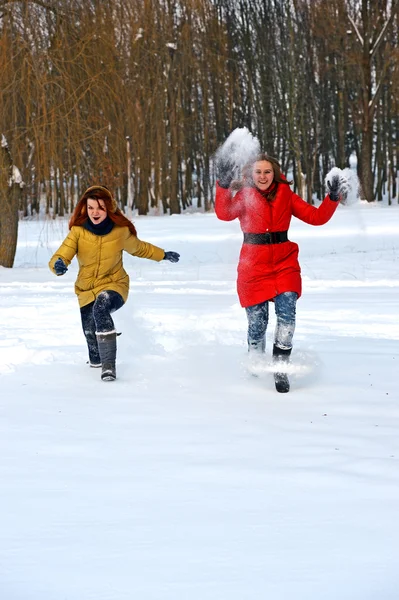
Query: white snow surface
[188, 478]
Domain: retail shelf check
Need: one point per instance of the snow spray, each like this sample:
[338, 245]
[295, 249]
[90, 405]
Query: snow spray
[303, 363]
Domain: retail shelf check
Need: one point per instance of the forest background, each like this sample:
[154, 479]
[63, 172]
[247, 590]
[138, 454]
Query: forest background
[138, 95]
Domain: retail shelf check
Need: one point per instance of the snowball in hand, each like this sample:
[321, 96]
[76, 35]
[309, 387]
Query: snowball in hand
[349, 184]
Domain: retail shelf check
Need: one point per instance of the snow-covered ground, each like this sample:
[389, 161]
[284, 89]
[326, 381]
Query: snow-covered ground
[188, 478]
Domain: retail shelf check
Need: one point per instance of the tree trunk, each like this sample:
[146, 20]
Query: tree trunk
[9, 202]
[366, 163]
[174, 141]
[9, 225]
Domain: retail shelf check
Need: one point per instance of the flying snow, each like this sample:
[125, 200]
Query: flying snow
[240, 147]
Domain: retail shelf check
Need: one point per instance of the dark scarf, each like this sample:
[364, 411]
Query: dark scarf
[102, 228]
[270, 189]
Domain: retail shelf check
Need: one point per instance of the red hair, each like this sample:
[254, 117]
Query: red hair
[100, 192]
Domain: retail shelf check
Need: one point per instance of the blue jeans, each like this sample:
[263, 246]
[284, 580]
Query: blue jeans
[258, 318]
[96, 317]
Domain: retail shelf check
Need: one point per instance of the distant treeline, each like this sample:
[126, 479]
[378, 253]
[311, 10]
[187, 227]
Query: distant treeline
[138, 94]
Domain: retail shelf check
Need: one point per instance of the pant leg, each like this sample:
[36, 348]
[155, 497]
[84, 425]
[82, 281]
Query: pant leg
[258, 317]
[89, 330]
[285, 306]
[106, 303]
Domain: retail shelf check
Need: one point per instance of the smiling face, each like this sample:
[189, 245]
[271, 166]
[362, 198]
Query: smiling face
[96, 210]
[263, 174]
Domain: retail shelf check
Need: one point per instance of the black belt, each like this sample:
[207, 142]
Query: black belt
[274, 237]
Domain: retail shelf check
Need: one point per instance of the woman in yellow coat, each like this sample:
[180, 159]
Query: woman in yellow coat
[99, 233]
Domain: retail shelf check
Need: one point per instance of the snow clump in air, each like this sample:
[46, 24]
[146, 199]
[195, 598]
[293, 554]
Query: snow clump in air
[239, 148]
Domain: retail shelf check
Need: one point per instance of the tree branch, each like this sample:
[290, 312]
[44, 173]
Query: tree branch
[375, 98]
[383, 30]
[356, 29]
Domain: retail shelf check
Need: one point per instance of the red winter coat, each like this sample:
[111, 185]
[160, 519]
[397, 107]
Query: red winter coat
[266, 270]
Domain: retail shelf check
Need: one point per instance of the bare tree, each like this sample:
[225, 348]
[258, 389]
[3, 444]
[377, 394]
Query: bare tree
[10, 194]
[371, 23]
[81, 78]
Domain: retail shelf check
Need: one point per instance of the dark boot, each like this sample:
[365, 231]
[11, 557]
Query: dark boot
[107, 349]
[281, 379]
[92, 346]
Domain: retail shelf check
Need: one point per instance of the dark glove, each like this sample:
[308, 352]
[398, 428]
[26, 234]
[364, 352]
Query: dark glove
[60, 267]
[172, 257]
[225, 169]
[334, 188]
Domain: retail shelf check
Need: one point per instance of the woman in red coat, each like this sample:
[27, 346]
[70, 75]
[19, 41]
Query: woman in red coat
[268, 267]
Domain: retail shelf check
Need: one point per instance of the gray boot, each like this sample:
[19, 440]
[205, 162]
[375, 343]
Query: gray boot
[281, 379]
[107, 348]
[92, 346]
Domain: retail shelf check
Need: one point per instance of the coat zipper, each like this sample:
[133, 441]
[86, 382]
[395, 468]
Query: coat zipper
[99, 256]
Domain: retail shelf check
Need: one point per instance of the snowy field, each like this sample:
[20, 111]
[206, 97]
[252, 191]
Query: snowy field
[188, 478]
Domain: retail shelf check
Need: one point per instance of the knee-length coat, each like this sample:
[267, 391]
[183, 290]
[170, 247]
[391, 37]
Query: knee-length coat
[266, 270]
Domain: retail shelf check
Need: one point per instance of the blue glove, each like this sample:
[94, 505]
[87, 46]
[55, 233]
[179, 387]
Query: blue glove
[60, 267]
[172, 257]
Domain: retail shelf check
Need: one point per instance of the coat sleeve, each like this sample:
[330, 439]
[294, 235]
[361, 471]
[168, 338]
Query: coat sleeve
[227, 207]
[67, 250]
[141, 249]
[310, 214]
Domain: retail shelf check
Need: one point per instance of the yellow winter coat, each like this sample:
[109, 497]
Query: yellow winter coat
[100, 260]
